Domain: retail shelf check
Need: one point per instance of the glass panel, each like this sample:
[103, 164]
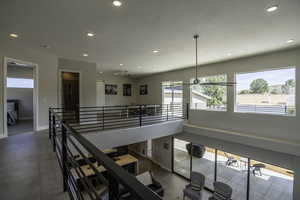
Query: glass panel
[203, 161]
[268, 92]
[270, 182]
[209, 97]
[182, 159]
[172, 92]
[233, 170]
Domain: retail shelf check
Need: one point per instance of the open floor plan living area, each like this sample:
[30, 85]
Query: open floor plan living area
[150, 100]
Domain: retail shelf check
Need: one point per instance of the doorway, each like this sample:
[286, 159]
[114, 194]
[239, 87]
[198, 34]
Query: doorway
[70, 93]
[20, 99]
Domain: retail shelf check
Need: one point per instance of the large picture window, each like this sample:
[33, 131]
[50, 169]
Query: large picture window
[19, 83]
[268, 92]
[209, 97]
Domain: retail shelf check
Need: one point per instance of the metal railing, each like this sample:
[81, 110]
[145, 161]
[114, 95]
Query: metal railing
[88, 173]
[90, 119]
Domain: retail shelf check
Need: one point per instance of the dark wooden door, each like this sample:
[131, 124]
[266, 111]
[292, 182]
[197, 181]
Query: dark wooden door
[70, 93]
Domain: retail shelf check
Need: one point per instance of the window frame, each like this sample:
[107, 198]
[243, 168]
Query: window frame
[264, 70]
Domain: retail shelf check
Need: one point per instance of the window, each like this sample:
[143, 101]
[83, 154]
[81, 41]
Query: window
[209, 97]
[172, 92]
[19, 83]
[268, 92]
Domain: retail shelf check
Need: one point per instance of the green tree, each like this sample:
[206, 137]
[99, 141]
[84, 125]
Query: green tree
[259, 86]
[289, 84]
[217, 93]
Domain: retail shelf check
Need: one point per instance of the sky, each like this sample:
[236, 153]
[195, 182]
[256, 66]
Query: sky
[273, 77]
[19, 83]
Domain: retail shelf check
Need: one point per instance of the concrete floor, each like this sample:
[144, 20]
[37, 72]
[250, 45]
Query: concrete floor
[29, 169]
[22, 126]
[269, 186]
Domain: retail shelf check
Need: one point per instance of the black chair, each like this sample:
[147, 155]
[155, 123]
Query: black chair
[198, 149]
[222, 191]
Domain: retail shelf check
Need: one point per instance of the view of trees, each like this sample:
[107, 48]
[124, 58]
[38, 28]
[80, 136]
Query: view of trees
[217, 93]
[261, 86]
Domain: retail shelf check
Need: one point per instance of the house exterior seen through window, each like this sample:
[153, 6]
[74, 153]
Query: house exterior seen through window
[209, 97]
[267, 92]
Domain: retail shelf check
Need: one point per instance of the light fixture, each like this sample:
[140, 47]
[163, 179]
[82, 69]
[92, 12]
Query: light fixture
[139, 67]
[117, 3]
[121, 64]
[229, 54]
[14, 35]
[100, 72]
[272, 8]
[90, 34]
[290, 41]
[85, 55]
[155, 51]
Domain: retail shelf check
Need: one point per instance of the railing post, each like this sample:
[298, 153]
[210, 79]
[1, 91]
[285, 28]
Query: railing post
[187, 110]
[49, 115]
[103, 117]
[167, 112]
[54, 132]
[113, 188]
[140, 113]
[64, 155]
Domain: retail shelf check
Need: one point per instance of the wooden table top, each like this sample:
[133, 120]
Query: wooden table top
[120, 160]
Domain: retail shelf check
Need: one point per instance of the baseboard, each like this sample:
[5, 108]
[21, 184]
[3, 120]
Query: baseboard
[41, 128]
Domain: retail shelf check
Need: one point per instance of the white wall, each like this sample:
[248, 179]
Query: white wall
[119, 99]
[162, 152]
[87, 79]
[47, 81]
[269, 126]
[25, 97]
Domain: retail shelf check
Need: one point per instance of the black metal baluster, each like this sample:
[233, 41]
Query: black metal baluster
[54, 132]
[64, 155]
[140, 117]
[49, 115]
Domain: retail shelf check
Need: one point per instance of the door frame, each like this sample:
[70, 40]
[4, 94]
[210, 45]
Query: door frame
[59, 100]
[35, 93]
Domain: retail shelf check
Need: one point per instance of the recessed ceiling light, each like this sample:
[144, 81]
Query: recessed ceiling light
[117, 3]
[90, 34]
[272, 8]
[139, 67]
[14, 35]
[290, 41]
[121, 64]
[229, 54]
[100, 72]
[85, 55]
[155, 51]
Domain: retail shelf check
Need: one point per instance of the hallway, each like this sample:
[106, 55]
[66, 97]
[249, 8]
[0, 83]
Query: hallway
[29, 168]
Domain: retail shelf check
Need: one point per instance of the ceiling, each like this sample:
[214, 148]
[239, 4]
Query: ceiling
[128, 34]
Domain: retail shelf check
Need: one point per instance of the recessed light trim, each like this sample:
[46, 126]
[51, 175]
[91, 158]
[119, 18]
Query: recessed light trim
[13, 35]
[290, 41]
[272, 8]
[85, 54]
[121, 64]
[229, 54]
[139, 67]
[155, 51]
[117, 3]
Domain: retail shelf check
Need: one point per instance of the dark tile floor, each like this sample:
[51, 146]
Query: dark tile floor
[22, 126]
[29, 169]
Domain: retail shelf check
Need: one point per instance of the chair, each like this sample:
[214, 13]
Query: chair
[198, 149]
[222, 191]
[194, 190]
[230, 160]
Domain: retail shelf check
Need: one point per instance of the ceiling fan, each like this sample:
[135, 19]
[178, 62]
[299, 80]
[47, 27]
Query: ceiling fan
[197, 81]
